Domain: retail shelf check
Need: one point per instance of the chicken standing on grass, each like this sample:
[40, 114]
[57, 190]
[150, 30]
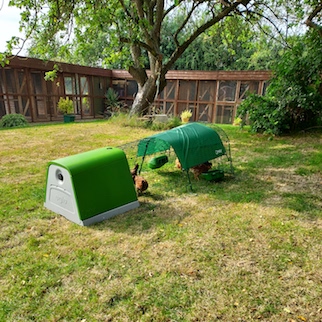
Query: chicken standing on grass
[197, 170]
[140, 183]
[200, 168]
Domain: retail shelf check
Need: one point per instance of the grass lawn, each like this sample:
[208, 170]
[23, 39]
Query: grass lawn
[245, 249]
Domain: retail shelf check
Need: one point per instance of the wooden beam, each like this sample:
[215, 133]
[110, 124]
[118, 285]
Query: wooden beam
[204, 75]
[41, 65]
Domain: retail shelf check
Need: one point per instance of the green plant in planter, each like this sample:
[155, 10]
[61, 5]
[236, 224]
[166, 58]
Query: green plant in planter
[66, 106]
[237, 121]
[185, 116]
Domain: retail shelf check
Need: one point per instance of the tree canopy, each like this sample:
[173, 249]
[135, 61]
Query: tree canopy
[149, 37]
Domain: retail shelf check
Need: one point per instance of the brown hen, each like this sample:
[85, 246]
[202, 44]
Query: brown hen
[197, 170]
[140, 183]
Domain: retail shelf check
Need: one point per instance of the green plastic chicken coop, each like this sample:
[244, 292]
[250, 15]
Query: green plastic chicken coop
[90, 187]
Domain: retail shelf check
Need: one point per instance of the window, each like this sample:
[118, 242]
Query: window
[227, 91]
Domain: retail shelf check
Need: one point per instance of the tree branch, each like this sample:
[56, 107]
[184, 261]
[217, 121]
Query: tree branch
[139, 8]
[183, 24]
[171, 8]
[125, 9]
[309, 21]
[180, 49]
[159, 17]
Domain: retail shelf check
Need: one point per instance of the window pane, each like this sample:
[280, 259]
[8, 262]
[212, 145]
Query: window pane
[224, 114]
[132, 88]
[207, 91]
[246, 88]
[227, 91]
[187, 90]
[69, 86]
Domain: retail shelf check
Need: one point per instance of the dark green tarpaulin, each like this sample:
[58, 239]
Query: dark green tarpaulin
[193, 144]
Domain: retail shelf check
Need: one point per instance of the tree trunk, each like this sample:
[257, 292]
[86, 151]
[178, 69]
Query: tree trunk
[148, 90]
[144, 97]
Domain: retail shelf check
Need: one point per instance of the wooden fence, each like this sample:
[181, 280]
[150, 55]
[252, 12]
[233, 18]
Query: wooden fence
[211, 96]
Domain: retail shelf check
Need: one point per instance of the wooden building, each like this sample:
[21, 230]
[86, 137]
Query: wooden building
[23, 89]
[211, 96]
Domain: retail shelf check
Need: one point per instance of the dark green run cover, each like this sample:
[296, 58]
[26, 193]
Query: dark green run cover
[193, 143]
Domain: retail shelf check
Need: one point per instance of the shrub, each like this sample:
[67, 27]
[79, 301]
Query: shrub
[170, 124]
[13, 120]
[135, 121]
[112, 98]
[264, 115]
[293, 98]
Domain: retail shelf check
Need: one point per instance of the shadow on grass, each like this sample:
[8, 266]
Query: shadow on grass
[160, 204]
[149, 216]
[306, 204]
[267, 188]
